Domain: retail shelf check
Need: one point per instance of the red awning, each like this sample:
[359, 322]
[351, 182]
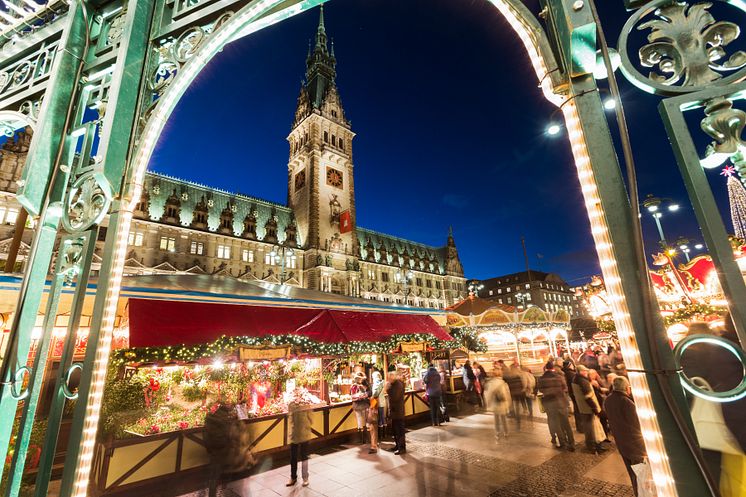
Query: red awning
[159, 323]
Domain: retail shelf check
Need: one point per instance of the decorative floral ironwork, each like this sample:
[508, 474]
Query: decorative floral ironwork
[725, 125]
[87, 204]
[116, 28]
[686, 42]
[686, 49]
[173, 53]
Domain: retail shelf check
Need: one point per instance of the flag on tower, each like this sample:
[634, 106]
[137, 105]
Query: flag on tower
[345, 222]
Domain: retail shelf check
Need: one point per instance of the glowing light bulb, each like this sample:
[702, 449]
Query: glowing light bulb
[553, 129]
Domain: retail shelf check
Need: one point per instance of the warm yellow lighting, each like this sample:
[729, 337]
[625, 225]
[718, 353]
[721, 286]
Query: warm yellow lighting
[648, 421]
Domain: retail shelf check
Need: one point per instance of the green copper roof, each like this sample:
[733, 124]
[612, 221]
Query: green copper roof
[396, 247]
[160, 187]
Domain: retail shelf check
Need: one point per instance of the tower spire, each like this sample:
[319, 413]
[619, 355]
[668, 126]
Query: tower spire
[320, 65]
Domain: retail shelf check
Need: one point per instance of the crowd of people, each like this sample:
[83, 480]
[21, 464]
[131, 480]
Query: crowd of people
[590, 387]
[582, 386]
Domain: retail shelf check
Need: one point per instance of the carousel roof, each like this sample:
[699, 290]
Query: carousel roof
[473, 306]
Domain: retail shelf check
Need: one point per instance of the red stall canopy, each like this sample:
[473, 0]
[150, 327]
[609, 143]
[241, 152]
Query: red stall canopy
[159, 323]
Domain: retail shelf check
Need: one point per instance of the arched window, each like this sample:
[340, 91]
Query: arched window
[334, 141]
[326, 136]
[341, 144]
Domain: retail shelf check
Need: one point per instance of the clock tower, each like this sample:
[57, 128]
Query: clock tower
[320, 174]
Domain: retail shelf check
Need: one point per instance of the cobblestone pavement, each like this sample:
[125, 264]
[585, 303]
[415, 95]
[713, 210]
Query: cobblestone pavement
[460, 458]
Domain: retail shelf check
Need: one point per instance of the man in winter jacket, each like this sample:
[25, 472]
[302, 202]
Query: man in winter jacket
[625, 426]
[588, 407]
[554, 397]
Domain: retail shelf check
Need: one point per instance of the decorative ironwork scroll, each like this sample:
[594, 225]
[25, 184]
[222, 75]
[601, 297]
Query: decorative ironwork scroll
[687, 48]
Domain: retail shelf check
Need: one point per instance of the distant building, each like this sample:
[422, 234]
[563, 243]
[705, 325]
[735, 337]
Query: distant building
[545, 290]
[312, 242]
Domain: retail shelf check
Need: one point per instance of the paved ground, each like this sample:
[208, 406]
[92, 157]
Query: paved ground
[461, 458]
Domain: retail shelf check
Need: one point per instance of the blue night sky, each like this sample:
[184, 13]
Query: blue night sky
[450, 131]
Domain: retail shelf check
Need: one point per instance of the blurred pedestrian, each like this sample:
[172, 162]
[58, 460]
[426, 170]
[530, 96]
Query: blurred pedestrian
[589, 408]
[555, 400]
[219, 435]
[568, 367]
[434, 393]
[299, 433]
[395, 398]
[530, 389]
[379, 393]
[518, 386]
[625, 426]
[481, 378]
[360, 393]
[498, 399]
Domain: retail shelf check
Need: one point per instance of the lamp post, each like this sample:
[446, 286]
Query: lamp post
[685, 246]
[405, 276]
[283, 252]
[654, 206]
[521, 298]
[474, 287]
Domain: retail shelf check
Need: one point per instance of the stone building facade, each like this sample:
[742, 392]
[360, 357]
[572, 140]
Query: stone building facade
[312, 242]
[545, 290]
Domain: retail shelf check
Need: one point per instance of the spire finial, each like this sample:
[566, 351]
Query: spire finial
[321, 18]
[450, 231]
[332, 47]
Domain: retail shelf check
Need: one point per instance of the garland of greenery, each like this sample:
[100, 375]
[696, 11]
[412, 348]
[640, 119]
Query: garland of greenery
[692, 310]
[227, 345]
[679, 316]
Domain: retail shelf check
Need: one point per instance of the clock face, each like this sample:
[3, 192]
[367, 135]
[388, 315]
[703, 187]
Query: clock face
[334, 177]
[300, 180]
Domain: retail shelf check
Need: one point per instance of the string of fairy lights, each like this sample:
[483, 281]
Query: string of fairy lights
[227, 345]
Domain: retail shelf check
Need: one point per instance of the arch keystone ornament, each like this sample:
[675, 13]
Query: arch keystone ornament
[131, 61]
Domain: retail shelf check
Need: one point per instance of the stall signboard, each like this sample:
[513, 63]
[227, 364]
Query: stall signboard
[246, 353]
[408, 347]
[602, 335]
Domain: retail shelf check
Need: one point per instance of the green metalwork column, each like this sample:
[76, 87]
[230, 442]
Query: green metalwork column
[661, 404]
[41, 192]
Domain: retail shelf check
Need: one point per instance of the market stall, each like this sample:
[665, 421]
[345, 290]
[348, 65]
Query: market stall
[185, 357]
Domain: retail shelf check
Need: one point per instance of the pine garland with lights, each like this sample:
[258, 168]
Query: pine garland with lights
[693, 311]
[227, 345]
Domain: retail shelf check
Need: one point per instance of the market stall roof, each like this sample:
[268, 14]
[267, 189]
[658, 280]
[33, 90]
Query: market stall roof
[211, 288]
[158, 323]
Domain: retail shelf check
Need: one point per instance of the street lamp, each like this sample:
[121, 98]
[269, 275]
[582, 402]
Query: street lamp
[685, 247]
[283, 253]
[407, 276]
[654, 206]
[474, 287]
[521, 299]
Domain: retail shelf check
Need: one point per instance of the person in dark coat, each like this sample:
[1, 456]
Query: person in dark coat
[469, 379]
[589, 408]
[625, 426]
[554, 397]
[219, 436]
[518, 387]
[395, 394]
[434, 393]
[568, 367]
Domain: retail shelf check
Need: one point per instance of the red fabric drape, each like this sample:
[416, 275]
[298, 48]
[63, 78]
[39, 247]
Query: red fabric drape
[159, 323]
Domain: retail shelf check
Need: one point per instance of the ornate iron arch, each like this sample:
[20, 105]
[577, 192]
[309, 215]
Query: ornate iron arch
[128, 62]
